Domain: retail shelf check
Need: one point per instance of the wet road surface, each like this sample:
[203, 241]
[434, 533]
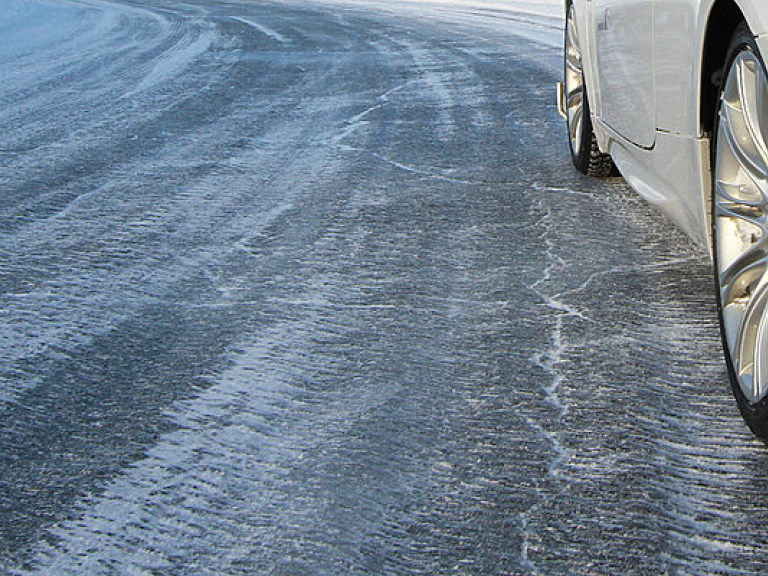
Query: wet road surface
[312, 289]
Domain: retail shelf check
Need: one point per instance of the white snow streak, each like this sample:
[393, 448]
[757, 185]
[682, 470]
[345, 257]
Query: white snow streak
[263, 29]
[175, 61]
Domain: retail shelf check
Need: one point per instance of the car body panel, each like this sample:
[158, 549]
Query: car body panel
[762, 42]
[643, 71]
[624, 64]
[756, 15]
[670, 177]
[676, 70]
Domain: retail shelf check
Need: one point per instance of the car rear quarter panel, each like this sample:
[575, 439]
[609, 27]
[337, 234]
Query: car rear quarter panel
[756, 14]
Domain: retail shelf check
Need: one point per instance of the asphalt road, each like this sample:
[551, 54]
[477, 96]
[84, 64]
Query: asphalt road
[313, 289]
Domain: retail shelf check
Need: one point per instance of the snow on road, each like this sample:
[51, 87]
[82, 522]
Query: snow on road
[538, 22]
[77, 93]
[300, 287]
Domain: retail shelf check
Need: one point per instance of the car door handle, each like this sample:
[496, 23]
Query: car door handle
[602, 25]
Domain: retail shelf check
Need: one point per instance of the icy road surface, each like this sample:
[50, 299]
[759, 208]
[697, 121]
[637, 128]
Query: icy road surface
[312, 288]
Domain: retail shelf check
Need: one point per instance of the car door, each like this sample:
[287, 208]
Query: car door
[677, 46]
[623, 32]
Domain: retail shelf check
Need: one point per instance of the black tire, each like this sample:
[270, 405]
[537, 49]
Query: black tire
[590, 160]
[755, 414]
[585, 152]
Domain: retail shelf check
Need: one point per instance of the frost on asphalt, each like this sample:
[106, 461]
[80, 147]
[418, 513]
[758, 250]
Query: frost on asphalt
[293, 288]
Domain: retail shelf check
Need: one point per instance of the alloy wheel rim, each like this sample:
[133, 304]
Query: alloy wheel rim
[740, 226]
[574, 82]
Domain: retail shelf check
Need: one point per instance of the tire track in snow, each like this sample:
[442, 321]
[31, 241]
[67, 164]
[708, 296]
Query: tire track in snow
[320, 410]
[70, 161]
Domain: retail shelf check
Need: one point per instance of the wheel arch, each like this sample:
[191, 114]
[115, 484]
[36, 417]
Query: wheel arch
[723, 19]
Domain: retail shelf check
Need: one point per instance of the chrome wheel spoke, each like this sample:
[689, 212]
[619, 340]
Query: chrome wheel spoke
[752, 95]
[751, 214]
[740, 236]
[575, 123]
[573, 99]
[740, 201]
[573, 62]
[742, 116]
[574, 82]
[742, 149]
[751, 360]
[744, 277]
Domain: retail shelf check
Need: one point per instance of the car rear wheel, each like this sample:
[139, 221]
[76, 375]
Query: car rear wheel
[740, 225]
[585, 153]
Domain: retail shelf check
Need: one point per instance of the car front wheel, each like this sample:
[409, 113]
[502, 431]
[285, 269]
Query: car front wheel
[740, 225]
